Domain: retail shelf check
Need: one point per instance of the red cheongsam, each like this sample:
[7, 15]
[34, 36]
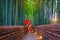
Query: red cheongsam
[27, 22]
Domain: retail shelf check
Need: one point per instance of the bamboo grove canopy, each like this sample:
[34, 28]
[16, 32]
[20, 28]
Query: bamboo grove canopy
[14, 12]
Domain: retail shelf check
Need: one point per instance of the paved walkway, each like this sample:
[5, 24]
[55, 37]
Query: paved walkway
[31, 36]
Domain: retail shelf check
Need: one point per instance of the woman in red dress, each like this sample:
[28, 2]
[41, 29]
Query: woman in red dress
[28, 23]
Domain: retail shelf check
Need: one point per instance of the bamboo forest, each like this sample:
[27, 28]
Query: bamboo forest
[40, 12]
